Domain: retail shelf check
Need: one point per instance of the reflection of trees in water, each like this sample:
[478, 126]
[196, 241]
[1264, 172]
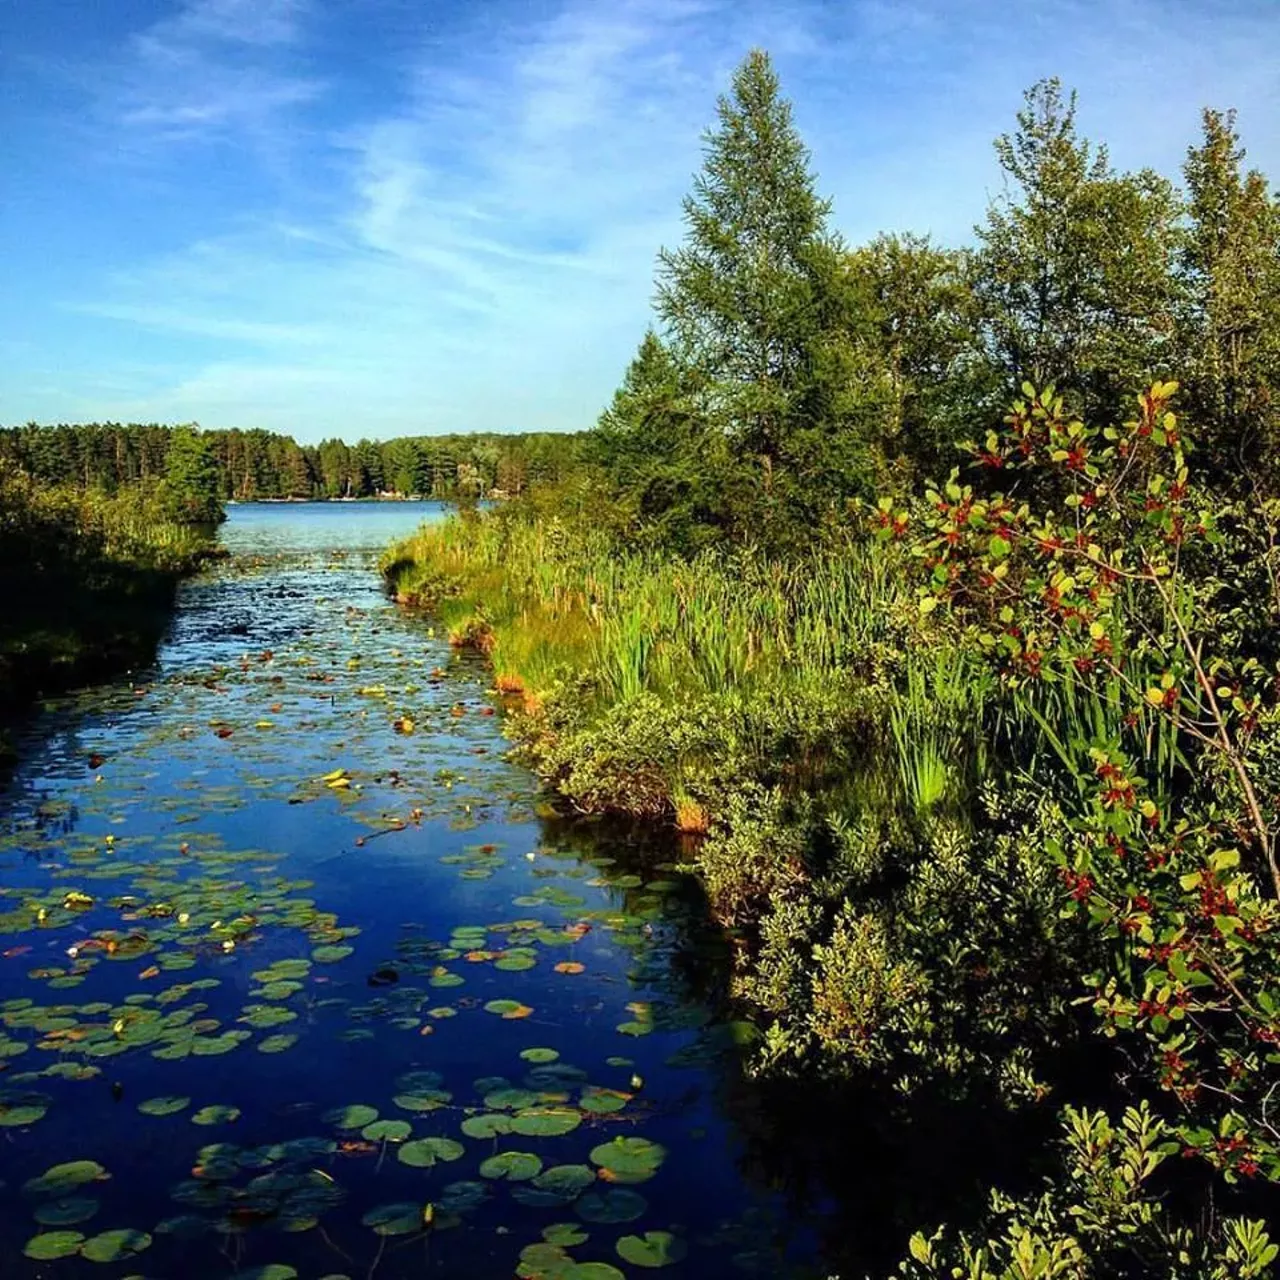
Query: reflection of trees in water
[856, 1164]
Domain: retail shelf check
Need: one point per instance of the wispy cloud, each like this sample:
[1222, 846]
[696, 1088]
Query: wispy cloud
[464, 233]
[213, 67]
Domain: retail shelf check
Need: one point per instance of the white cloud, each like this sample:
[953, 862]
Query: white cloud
[213, 67]
[475, 249]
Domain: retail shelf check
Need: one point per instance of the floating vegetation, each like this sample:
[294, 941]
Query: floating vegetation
[145, 946]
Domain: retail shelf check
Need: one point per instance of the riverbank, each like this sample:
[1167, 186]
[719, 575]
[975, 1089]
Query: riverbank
[470, 1038]
[88, 584]
[897, 836]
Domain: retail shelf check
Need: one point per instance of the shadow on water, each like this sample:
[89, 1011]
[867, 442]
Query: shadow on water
[299, 975]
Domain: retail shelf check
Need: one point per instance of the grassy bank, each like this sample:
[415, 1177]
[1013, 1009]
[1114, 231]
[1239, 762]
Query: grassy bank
[87, 582]
[897, 830]
[830, 766]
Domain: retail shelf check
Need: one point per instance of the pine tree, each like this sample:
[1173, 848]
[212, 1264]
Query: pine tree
[742, 297]
[667, 469]
[1230, 329]
[191, 478]
[1075, 270]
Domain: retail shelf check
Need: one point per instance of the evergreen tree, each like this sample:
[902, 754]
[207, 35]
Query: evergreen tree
[1075, 270]
[666, 468]
[740, 296]
[191, 482]
[1230, 328]
[916, 299]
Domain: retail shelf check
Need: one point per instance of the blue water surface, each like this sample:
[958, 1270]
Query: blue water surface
[237, 877]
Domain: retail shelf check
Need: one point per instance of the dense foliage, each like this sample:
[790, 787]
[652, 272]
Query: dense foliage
[978, 766]
[259, 464]
[87, 579]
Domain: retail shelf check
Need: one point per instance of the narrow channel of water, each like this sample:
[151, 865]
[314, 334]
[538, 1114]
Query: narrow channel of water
[299, 973]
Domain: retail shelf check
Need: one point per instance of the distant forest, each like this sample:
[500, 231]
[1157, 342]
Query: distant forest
[262, 464]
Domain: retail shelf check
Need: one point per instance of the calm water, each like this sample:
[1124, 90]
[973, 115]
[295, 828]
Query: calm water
[299, 973]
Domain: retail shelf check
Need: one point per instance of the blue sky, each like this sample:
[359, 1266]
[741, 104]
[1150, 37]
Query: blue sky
[374, 217]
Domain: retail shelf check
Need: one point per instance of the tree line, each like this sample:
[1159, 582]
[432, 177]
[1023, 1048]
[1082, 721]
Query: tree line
[244, 465]
[789, 371]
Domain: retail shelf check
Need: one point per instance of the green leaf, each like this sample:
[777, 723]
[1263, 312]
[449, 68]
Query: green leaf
[53, 1244]
[111, 1246]
[653, 1249]
[514, 1166]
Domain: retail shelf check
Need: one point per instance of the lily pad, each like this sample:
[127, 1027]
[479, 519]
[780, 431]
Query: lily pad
[111, 1246]
[272, 1271]
[18, 1117]
[546, 1122]
[387, 1131]
[629, 1159]
[509, 1099]
[540, 1055]
[277, 1043]
[331, 954]
[356, 1116]
[487, 1125]
[61, 1178]
[566, 1180]
[502, 1007]
[422, 1153]
[564, 1234]
[615, 1205]
[653, 1249]
[49, 1245]
[65, 1212]
[216, 1115]
[166, 1106]
[514, 1166]
[395, 1219]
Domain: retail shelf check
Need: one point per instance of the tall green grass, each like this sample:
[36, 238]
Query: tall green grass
[641, 623]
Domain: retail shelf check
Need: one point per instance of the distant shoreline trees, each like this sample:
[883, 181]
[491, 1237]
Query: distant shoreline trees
[255, 464]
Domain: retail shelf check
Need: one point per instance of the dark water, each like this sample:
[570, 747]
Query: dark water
[263, 939]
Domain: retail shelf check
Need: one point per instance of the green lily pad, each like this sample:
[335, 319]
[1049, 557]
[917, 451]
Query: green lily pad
[49, 1245]
[564, 1234]
[18, 1117]
[272, 1271]
[355, 1116]
[111, 1246]
[423, 1100]
[544, 1261]
[514, 1166]
[566, 1180]
[61, 1178]
[540, 1055]
[387, 1131]
[615, 1205]
[514, 964]
[602, 1102]
[487, 1125]
[653, 1249]
[331, 954]
[502, 1007]
[629, 1159]
[422, 1153]
[277, 1043]
[509, 1099]
[395, 1219]
[65, 1212]
[166, 1106]
[546, 1122]
[596, 1271]
[216, 1115]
